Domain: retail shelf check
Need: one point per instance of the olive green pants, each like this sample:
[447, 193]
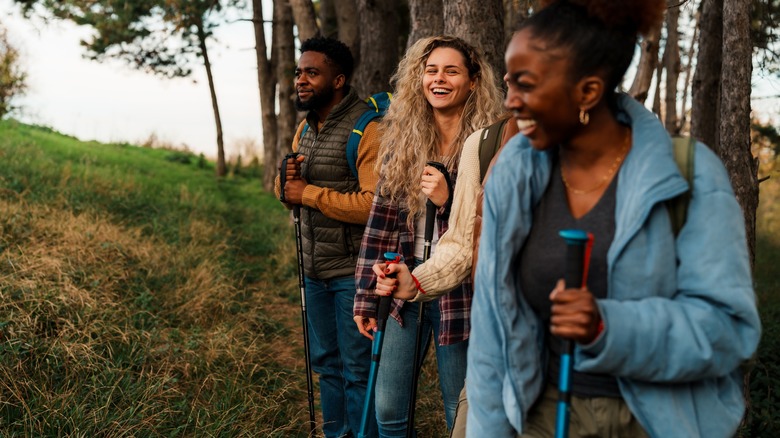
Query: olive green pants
[590, 417]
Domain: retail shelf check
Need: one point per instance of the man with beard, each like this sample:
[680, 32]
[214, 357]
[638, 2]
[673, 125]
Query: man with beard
[334, 210]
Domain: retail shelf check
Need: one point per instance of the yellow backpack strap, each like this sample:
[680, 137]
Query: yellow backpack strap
[683, 149]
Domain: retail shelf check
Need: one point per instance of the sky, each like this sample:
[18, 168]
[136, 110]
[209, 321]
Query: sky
[112, 102]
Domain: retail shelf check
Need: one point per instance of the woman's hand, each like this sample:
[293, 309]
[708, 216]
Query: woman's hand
[434, 186]
[574, 314]
[365, 326]
[401, 287]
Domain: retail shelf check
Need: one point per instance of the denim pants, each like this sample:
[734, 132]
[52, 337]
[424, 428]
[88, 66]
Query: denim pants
[340, 355]
[394, 377]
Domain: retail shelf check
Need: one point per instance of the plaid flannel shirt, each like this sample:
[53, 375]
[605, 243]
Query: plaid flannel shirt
[387, 230]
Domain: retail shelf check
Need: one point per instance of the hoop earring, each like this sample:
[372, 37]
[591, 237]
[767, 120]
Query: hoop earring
[584, 117]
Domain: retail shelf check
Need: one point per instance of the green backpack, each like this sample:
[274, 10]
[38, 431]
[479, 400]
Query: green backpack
[683, 149]
[489, 144]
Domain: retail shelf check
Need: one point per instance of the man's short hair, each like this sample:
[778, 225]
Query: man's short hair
[337, 53]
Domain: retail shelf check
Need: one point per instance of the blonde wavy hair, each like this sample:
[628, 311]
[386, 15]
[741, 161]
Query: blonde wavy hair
[409, 134]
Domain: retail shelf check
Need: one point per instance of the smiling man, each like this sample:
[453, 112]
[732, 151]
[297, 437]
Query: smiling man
[335, 204]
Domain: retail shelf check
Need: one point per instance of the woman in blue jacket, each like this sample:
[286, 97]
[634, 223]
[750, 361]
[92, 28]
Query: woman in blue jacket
[665, 319]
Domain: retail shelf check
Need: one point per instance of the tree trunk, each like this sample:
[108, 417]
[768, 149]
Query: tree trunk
[672, 60]
[284, 49]
[658, 78]
[328, 21]
[221, 168]
[480, 23]
[705, 101]
[348, 26]
[266, 83]
[688, 75]
[378, 45]
[427, 19]
[305, 19]
[734, 147]
[515, 12]
[648, 63]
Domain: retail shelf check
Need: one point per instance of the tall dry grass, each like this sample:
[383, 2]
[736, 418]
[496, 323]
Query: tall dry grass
[106, 332]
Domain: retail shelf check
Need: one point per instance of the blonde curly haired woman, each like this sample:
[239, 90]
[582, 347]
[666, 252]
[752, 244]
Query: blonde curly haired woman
[444, 91]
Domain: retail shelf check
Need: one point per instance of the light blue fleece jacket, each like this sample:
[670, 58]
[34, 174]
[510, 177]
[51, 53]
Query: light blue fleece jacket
[680, 315]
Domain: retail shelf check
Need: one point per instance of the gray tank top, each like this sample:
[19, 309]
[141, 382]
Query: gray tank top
[542, 263]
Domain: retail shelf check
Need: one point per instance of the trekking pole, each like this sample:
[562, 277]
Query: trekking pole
[376, 349]
[302, 287]
[430, 221]
[578, 244]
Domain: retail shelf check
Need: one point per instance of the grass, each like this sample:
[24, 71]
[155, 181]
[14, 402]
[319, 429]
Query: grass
[140, 296]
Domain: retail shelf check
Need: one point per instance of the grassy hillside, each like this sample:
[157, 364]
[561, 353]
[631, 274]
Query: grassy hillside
[139, 296]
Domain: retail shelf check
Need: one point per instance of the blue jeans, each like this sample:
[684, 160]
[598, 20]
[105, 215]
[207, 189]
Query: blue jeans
[394, 377]
[340, 355]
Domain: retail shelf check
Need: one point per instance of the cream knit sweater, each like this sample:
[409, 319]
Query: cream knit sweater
[450, 264]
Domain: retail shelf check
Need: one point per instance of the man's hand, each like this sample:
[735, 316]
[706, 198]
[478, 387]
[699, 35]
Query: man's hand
[293, 191]
[294, 183]
[293, 169]
[434, 186]
[365, 326]
[574, 314]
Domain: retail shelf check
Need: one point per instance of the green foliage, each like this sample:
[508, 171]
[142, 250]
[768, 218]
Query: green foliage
[162, 37]
[766, 133]
[13, 80]
[763, 415]
[765, 22]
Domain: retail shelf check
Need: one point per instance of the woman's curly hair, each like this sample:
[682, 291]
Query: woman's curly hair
[409, 135]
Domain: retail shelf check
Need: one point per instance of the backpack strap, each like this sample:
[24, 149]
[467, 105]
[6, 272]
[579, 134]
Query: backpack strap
[489, 143]
[379, 102]
[377, 106]
[355, 136]
[683, 149]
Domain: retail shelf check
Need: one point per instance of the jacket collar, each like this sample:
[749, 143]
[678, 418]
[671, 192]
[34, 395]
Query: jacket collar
[649, 174]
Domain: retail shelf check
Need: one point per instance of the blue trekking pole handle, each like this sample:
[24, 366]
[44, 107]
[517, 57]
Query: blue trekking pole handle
[576, 242]
[283, 173]
[383, 311]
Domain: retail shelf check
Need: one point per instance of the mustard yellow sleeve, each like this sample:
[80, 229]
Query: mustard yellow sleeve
[450, 263]
[351, 207]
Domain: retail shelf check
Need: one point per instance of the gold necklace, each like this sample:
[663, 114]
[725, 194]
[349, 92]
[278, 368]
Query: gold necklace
[607, 176]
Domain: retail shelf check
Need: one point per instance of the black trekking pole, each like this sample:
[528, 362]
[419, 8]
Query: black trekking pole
[578, 244]
[430, 221]
[376, 349]
[302, 286]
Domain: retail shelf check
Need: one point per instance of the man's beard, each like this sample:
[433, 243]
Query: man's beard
[316, 101]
